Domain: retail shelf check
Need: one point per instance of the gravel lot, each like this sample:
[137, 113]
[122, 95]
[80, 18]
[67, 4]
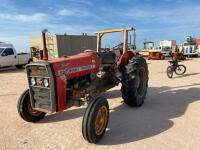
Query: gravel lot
[169, 119]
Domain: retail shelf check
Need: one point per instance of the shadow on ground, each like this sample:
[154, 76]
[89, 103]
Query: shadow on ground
[63, 116]
[11, 70]
[186, 75]
[76, 113]
[128, 124]
[181, 76]
[154, 117]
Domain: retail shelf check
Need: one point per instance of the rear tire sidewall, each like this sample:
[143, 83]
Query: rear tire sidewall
[129, 81]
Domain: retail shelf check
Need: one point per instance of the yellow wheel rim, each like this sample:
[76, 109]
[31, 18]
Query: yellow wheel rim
[32, 111]
[101, 120]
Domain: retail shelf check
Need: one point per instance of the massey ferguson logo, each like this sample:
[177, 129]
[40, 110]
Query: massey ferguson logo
[75, 69]
[39, 81]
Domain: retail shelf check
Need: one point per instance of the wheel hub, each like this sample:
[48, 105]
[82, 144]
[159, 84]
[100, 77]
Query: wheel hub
[32, 111]
[101, 120]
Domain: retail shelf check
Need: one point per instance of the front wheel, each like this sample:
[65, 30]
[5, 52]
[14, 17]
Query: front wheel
[180, 70]
[25, 109]
[170, 71]
[19, 66]
[95, 120]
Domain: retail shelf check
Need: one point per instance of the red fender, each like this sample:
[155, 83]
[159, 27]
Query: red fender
[124, 58]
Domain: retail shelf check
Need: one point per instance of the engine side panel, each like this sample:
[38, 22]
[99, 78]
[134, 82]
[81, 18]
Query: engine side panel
[61, 93]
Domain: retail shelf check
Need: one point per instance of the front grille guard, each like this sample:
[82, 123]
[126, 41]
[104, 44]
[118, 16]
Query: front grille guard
[52, 89]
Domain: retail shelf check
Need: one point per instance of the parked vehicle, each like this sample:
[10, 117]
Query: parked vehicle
[9, 57]
[190, 47]
[168, 46]
[147, 47]
[56, 85]
[176, 68]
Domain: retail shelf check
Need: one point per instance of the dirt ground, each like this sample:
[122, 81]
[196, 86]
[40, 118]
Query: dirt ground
[169, 119]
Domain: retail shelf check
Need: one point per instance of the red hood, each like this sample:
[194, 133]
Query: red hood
[84, 59]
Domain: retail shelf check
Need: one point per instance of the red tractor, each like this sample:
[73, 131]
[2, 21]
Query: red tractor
[56, 85]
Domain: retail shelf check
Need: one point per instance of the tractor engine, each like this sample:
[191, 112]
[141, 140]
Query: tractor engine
[82, 89]
[56, 85]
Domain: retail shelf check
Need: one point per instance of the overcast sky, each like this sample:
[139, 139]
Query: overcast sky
[153, 19]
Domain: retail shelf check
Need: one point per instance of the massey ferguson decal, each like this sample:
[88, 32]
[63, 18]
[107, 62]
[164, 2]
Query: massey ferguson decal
[65, 64]
[75, 69]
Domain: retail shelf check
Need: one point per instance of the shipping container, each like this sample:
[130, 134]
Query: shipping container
[63, 45]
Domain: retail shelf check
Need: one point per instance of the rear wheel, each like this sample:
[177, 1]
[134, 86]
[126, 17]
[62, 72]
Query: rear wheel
[30, 61]
[170, 71]
[135, 82]
[19, 66]
[95, 120]
[180, 70]
[162, 57]
[25, 109]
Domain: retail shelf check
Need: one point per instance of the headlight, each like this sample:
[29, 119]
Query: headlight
[33, 81]
[46, 82]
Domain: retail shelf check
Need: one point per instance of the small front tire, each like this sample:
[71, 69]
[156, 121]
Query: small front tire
[25, 109]
[95, 120]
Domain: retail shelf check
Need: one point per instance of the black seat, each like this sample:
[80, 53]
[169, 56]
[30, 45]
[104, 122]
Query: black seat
[107, 60]
[107, 57]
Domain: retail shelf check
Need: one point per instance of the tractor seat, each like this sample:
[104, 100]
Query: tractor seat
[107, 57]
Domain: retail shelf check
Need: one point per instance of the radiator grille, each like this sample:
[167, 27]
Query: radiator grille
[40, 94]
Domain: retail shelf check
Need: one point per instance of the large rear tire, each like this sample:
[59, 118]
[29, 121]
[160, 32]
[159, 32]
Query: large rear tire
[95, 120]
[25, 110]
[135, 82]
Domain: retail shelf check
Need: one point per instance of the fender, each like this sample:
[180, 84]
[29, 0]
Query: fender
[124, 58]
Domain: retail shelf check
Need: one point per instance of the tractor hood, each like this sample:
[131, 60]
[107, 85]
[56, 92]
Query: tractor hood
[76, 65]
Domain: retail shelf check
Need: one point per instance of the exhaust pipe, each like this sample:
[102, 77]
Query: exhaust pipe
[45, 51]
